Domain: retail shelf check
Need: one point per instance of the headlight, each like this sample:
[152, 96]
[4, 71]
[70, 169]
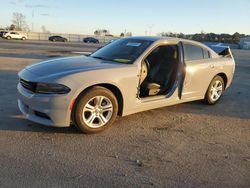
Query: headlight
[46, 88]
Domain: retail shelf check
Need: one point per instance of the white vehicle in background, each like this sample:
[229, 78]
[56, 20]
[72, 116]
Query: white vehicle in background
[15, 35]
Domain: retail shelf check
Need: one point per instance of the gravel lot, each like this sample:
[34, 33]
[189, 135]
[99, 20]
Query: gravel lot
[187, 145]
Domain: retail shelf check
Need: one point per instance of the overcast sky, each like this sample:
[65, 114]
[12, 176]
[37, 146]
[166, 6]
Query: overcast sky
[137, 16]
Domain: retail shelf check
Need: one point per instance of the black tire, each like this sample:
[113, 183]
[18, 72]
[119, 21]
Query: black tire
[209, 99]
[23, 38]
[8, 37]
[83, 100]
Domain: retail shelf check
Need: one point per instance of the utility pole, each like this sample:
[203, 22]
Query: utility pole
[33, 20]
[150, 28]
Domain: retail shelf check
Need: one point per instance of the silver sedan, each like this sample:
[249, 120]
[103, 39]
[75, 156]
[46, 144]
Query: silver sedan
[124, 77]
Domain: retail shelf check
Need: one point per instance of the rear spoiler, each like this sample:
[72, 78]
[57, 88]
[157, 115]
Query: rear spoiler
[223, 51]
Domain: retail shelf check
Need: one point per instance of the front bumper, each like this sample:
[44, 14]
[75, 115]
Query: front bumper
[50, 110]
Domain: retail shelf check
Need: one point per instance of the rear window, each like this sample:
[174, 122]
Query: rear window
[193, 52]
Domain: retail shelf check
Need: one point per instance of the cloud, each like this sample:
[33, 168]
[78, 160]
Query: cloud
[45, 14]
[17, 2]
[36, 6]
[14, 2]
[24, 2]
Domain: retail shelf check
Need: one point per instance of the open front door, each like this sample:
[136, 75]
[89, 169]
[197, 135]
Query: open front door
[162, 72]
[181, 70]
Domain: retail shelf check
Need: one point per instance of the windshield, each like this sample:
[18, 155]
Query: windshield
[122, 50]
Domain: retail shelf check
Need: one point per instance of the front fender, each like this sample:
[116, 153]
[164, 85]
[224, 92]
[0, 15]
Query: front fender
[125, 79]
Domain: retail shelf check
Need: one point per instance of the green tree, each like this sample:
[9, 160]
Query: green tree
[105, 31]
[236, 37]
[12, 27]
[97, 32]
[122, 35]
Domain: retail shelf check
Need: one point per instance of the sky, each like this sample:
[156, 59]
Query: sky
[141, 17]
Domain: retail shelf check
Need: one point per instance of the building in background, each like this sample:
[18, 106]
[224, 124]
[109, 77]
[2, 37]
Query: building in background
[245, 43]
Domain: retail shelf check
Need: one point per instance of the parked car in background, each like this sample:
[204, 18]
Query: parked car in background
[58, 39]
[91, 40]
[14, 35]
[127, 76]
[2, 33]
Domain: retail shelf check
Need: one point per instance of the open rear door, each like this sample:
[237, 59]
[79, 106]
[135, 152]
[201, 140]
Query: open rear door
[181, 70]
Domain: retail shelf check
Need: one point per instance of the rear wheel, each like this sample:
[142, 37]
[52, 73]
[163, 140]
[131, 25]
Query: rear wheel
[215, 90]
[96, 110]
[23, 38]
[8, 37]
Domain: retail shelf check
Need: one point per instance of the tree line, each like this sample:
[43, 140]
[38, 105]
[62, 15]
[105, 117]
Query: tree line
[105, 32]
[207, 37]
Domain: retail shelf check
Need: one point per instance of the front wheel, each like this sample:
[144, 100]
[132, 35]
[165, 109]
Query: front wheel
[8, 37]
[23, 38]
[95, 110]
[215, 90]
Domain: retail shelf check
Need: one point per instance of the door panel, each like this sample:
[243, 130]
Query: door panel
[199, 74]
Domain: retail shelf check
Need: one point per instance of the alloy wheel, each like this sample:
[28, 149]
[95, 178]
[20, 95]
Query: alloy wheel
[97, 111]
[216, 90]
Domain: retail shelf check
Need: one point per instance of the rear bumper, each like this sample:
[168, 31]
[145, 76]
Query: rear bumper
[44, 109]
[230, 78]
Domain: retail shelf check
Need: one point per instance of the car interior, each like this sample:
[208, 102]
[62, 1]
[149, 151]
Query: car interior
[159, 71]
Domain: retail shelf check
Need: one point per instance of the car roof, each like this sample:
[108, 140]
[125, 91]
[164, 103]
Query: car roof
[173, 39]
[154, 39]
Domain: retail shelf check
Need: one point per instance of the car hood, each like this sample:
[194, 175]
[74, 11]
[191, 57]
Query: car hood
[70, 64]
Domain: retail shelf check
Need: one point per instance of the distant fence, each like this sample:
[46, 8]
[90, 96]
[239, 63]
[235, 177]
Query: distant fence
[103, 39]
[70, 37]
